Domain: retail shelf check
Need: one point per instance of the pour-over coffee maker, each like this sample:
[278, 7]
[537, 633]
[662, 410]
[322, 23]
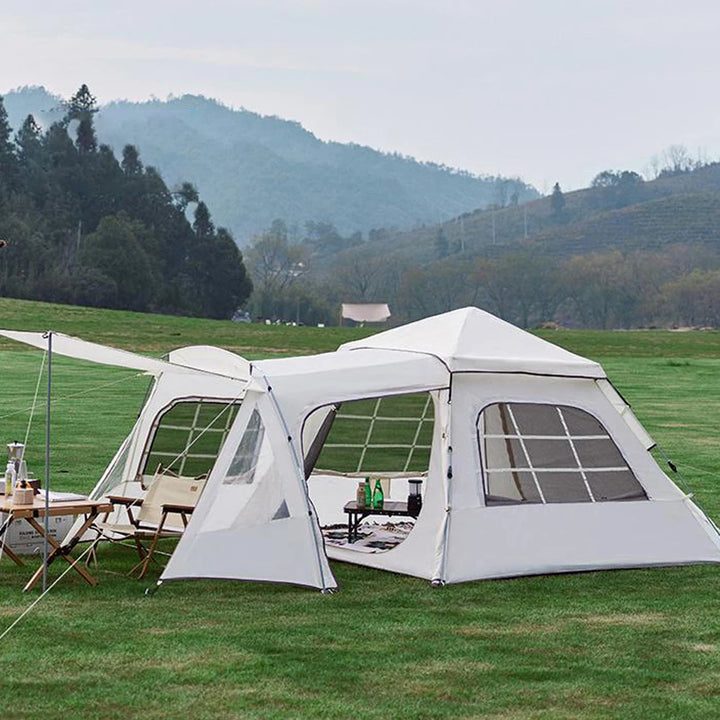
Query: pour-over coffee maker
[16, 456]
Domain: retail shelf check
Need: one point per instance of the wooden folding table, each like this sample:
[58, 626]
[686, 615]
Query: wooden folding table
[32, 513]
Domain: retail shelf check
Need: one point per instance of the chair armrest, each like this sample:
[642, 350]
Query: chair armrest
[175, 508]
[126, 501]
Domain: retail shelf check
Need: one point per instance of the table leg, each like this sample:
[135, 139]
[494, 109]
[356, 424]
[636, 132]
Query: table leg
[62, 551]
[4, 549]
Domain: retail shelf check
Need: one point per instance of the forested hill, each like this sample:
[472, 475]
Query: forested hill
[253, 169]
[620, 211]
[77, 226]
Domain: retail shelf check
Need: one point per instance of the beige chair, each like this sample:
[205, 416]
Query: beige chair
[162, 513]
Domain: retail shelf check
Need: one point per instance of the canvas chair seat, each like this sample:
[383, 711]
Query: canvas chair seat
[149, 519]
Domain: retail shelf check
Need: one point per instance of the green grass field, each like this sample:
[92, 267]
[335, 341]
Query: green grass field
[625, 644]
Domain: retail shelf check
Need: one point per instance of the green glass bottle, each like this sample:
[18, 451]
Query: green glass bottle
[378, 496]
[368, 493]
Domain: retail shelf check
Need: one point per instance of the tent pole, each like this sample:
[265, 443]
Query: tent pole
[47, 463]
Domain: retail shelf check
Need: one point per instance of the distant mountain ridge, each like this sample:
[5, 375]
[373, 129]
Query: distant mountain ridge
[252, 169]
[674, 209]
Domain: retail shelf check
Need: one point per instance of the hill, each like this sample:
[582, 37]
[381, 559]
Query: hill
[253, 169]
[675, 208]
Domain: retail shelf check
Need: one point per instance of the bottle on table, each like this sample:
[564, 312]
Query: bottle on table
[378, 496]
[368, 492]
[9, 479]
[360, 495]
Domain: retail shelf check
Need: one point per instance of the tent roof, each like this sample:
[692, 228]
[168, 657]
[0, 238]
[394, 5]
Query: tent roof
[472, 340]
[314, 380]
[211, 359]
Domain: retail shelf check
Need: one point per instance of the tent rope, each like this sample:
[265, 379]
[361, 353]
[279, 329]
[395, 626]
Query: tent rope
[34, 603]
[77, 394]
[35, 397]
[683, 481]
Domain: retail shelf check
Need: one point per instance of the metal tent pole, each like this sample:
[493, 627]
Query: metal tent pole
[47, 462]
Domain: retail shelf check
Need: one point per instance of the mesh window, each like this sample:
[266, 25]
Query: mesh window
[244, 463]
[390, 434]
[534, 453]
[188, 437]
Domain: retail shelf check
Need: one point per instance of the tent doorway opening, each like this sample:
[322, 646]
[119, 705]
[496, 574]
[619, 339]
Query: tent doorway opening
[386, 441]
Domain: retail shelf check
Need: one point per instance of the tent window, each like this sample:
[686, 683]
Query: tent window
[188, 437]
[390, 434]
[244, 463]
[534, 453]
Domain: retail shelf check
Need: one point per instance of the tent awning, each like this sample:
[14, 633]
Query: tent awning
[73, 347]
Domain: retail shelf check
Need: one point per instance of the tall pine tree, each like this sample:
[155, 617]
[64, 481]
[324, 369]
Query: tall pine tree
[81, 107]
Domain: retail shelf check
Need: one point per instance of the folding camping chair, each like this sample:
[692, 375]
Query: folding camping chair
[162, 513]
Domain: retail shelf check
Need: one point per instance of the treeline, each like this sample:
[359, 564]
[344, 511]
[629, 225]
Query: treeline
[78, 226]
[296, 281]
[676, 286]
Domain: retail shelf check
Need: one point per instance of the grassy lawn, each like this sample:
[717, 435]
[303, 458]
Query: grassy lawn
[625, 644]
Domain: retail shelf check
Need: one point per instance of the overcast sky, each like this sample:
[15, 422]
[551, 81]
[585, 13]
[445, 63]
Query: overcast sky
[550, 90]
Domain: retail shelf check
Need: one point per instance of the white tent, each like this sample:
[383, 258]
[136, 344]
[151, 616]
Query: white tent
[536, 465]
[365, 312]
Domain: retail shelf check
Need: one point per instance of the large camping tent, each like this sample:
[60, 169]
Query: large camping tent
[535, 465]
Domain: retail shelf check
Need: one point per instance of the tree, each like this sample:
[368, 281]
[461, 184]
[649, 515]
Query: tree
[131, 164]
[275, 267]
[442, 247]
[355, 276]
[8, 160]
[203, 225]
[28, 140]
[116, 250]
[603, 288]
[185, 194]
[694, 299]
[618, 188]
[81, 107]
[557, 200]
[220, 281]
[677, 160]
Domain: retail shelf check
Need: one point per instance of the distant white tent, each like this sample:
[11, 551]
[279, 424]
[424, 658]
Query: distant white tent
[365, 312]
[537, 465]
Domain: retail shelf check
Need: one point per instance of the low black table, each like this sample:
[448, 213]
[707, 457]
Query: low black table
[357, 513]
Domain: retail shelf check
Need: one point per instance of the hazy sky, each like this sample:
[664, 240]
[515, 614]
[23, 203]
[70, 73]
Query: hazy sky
[547, 89]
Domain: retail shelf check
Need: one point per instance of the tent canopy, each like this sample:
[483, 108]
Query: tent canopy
[190, 359]
[472, 340]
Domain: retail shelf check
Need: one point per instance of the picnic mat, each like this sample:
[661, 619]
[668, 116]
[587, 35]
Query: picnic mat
[372, 537]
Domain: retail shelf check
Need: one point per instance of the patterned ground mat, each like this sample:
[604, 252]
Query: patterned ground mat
[372, 537]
